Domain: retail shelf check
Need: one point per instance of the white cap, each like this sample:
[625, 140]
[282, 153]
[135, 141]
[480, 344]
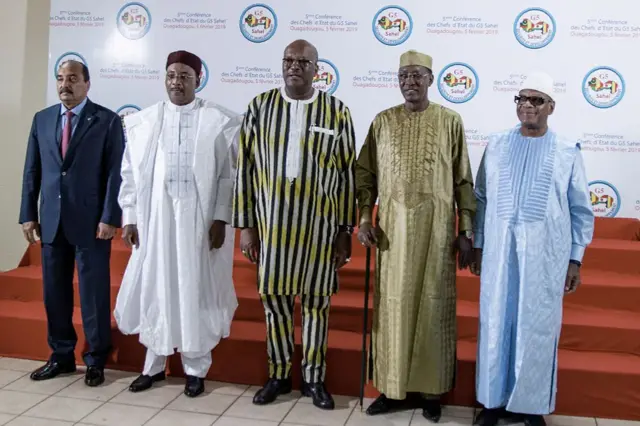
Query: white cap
[540, 82]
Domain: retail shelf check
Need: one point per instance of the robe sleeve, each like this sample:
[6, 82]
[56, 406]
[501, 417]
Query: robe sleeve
[582, 217]
[367, 176]
[244, 215]
[224, 194]
[127, 196]
[346, 157]
[481, 204]
[462, 177]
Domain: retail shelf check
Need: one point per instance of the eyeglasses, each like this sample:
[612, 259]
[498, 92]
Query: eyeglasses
[180, 77]
[536, 101]
[417, 77]
[304, 63]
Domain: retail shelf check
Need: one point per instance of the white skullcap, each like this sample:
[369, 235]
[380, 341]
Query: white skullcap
[540, 82]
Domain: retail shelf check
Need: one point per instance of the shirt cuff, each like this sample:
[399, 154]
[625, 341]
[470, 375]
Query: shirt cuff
[478, 240]
[129, 216]
[222, 213]
[577, 252]
[464, 221]
[365, 215]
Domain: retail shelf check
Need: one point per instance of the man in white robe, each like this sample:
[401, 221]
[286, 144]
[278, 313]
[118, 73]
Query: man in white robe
[533, 224]
[178, 173]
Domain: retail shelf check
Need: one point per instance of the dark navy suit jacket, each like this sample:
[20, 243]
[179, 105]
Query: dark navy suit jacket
[81, 191]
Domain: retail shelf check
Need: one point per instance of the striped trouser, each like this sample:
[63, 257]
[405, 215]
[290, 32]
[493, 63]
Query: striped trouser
[315, 325]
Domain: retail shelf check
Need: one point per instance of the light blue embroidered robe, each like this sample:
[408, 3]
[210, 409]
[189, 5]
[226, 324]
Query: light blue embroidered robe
[534, 215]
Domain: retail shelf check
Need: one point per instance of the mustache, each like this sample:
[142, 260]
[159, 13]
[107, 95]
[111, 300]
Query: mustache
[66, 90]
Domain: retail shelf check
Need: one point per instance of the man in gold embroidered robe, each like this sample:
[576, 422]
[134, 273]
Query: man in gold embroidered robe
[415, 160]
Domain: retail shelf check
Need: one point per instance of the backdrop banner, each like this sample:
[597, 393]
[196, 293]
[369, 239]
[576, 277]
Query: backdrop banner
[482, 52]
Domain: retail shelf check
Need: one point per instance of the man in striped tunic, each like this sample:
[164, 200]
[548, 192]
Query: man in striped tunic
[295, 202]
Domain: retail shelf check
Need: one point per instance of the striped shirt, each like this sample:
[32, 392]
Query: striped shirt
[295, 182]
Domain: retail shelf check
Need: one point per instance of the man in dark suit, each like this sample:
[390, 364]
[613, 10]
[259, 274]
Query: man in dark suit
[73, 163]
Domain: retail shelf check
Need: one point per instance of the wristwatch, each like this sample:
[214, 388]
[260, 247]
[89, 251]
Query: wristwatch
[467, 234]
[576, 262]
[345, 228]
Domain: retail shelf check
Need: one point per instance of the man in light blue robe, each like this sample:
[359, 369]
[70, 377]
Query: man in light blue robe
[533, 223]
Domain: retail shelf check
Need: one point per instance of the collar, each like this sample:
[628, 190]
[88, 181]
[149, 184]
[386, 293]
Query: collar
[76, 110]
[183, 108]
[313, 97]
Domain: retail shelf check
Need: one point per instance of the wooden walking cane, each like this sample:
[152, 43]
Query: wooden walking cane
[364, 371]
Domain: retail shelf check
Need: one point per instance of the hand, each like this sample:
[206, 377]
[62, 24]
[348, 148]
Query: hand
[367, 234]
[29, 229]
[216, 234]
[130, 236]
[105, 232]
[342, 249]
[250, 244]
[464, 248]
[476, 264]
[573, 278]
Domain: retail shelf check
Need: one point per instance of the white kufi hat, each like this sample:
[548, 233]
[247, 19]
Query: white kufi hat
[540, 82]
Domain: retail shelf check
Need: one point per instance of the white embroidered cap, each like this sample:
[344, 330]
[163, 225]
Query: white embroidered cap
[540, 82]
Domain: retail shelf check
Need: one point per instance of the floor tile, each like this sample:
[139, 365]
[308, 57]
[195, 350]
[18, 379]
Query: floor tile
[12, 402]
[32, 421]
[104, 392]
[340, 400]
[615, 422]
[5, 418]
[207, 403]
[570, 421]
[156, 397]
[44, 387]
[225, 388]
[68, 409]
[9, 376]
[419, 420]
[25, 365]
[461, 412]
[275, 412]
[360, 418]
[235, 421]
[173, 418]
[295, 394]
[111, 414]
[309, 414]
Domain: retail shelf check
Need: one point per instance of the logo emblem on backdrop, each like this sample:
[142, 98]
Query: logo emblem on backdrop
[458, 83]
[534, 28]
[327, 78]
[67, 56]
[392, 25]
[258, 23]
[127, 109]
[605, 199]
[603, 87]
[133, 20]
[204, 77]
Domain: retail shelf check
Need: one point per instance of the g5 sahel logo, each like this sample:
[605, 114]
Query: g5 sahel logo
[605, 199]
[204, 77]
[392, 25]
[534, 28]
[133, 20]
[603, 87]
[258, 23]
[127, 109]
[327, 78]
[67, 56]
[458, 83]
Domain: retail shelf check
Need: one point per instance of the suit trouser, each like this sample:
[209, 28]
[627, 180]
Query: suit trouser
[58, 264]
[193, 364]
[280, 343]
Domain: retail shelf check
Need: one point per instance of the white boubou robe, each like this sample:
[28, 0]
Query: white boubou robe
[176, 293]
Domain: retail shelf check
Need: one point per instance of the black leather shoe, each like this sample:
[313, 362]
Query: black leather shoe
[317, 391]
[271, 391]
[144, 382]
[194, 386]
[383, 405]
[52, 369]
[489, 417]
[94, 376]
[432, 410]
[534, 420]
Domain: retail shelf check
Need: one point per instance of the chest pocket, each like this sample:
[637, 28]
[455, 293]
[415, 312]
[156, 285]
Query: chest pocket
[322, 145]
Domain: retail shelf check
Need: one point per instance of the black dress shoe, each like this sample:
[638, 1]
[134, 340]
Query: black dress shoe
[432, 410]
[144, 382]
[534, 420]
[52, 369]
[383, 405]
[489, 416]
[94, 376]
[271, 391]
[194, 386]
[318, 393]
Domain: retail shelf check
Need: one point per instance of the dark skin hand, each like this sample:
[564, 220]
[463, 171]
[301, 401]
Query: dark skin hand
[217, 234]
[29, 229]
[342, 249]
[367, 234]
[130, 236]
[250, 244]
[476, 264]
[464, 248]
[573, 281]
